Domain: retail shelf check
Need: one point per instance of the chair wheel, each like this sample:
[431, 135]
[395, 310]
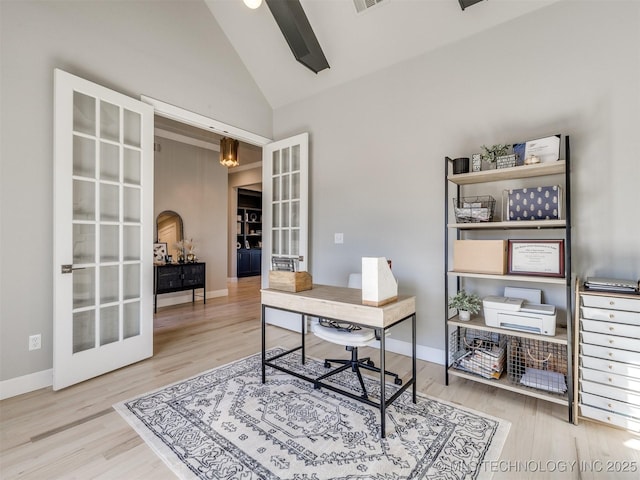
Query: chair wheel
[370, 363]
[327, 365]
[398, 381]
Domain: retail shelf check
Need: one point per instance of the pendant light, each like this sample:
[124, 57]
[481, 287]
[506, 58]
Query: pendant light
[229, 152]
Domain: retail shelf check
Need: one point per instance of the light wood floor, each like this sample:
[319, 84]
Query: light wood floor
[75, 433]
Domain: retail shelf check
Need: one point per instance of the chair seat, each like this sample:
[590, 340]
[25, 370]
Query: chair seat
[354, 338]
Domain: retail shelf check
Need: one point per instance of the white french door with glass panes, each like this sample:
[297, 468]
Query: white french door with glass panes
[103, 230]
[285, 188]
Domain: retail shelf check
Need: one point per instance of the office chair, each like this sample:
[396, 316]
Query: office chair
[352, 337]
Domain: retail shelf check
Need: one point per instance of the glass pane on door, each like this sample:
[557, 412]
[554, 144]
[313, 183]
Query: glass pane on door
[84, 330]
[84, 113]
[109, 324]
[109, 121]
[131, 327]
[84, 287]
[84, 243]
[84, 157]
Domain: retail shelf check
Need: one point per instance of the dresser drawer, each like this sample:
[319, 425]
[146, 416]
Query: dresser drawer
[629, 304]
[632, 410]
[619, 316]
[604, 365]
[612, 341]
[626, 396]
[610, 418]
[610, 354]
[619, 329]
[610, 379]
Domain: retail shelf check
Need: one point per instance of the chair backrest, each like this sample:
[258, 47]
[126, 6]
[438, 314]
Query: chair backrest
[355, 280]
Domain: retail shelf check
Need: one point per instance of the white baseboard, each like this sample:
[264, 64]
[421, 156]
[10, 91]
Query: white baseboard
[166, 300]
[428, 354]
[26, 383]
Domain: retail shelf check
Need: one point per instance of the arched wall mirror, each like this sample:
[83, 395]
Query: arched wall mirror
[169, 230]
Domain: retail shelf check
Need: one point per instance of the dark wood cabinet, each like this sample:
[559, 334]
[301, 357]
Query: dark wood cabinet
[179, 277]
[249, 262]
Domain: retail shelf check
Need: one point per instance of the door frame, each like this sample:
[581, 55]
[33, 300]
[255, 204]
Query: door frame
[183, 115]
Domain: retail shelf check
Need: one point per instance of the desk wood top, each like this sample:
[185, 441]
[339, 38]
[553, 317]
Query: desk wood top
[340, 303]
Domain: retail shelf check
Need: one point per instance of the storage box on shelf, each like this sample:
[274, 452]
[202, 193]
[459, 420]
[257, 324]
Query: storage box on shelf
[608, 366]
[535, 364]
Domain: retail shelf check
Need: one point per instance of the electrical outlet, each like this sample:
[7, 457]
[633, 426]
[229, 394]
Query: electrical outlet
[35, 342]
[338, 238]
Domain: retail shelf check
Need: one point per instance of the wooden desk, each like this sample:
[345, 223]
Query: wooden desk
[345, 305]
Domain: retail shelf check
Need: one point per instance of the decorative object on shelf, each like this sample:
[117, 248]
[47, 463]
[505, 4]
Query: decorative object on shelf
[545, 149]
[460, 165]
[253, 217]
[229, 152]
[168, 259]
[537, 203]
[191, 246]
[536, 257]
[476, 162]
[506, 161]
[518, 151]
[480, 256]
[466, 304]
[491, 154]
[531, 160]
[159, 252]
[247, 245]
[238, 245]
[474, 209]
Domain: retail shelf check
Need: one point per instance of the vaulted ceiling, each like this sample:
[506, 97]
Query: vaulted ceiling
[355, 44]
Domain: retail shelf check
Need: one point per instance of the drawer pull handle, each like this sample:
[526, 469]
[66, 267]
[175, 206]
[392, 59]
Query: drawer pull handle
[610, 367]
[612, 302]
[611, 341]
[611, 329]
[609, 405]
[611, 354]
[611, 315]
[610, 379]
[609, 418]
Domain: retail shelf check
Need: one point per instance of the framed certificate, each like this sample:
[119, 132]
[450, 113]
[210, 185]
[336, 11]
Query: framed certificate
[536, 257]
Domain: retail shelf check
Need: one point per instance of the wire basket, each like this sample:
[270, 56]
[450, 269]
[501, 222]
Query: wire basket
[474, 209]
[478, 352]
[537, 364]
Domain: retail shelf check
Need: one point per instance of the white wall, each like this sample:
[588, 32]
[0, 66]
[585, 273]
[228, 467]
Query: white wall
[378, 144]
[172, 51]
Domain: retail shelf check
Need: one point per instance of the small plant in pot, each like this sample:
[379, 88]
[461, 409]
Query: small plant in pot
[466, 304]
[490, 154]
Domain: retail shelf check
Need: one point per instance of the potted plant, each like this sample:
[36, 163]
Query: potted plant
[490, 154]
[466, 304]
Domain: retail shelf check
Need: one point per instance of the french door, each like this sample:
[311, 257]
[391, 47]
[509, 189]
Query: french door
[285, 188]
[103, 230]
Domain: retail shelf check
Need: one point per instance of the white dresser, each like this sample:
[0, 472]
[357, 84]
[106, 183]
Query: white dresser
[608, 330]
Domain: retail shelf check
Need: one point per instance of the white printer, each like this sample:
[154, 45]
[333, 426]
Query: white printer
[519, 314]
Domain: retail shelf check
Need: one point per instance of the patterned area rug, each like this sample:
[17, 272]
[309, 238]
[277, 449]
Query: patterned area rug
[225, 424]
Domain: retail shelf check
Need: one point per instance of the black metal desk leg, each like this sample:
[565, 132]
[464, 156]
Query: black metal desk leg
[264, 344]
[413, 354]
[302, 330]
[383, 388]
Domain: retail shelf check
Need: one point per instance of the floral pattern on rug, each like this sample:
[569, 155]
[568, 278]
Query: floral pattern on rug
[226, 424]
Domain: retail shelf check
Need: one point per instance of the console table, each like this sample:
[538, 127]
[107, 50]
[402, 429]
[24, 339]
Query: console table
[178, 277]
[344, 305]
